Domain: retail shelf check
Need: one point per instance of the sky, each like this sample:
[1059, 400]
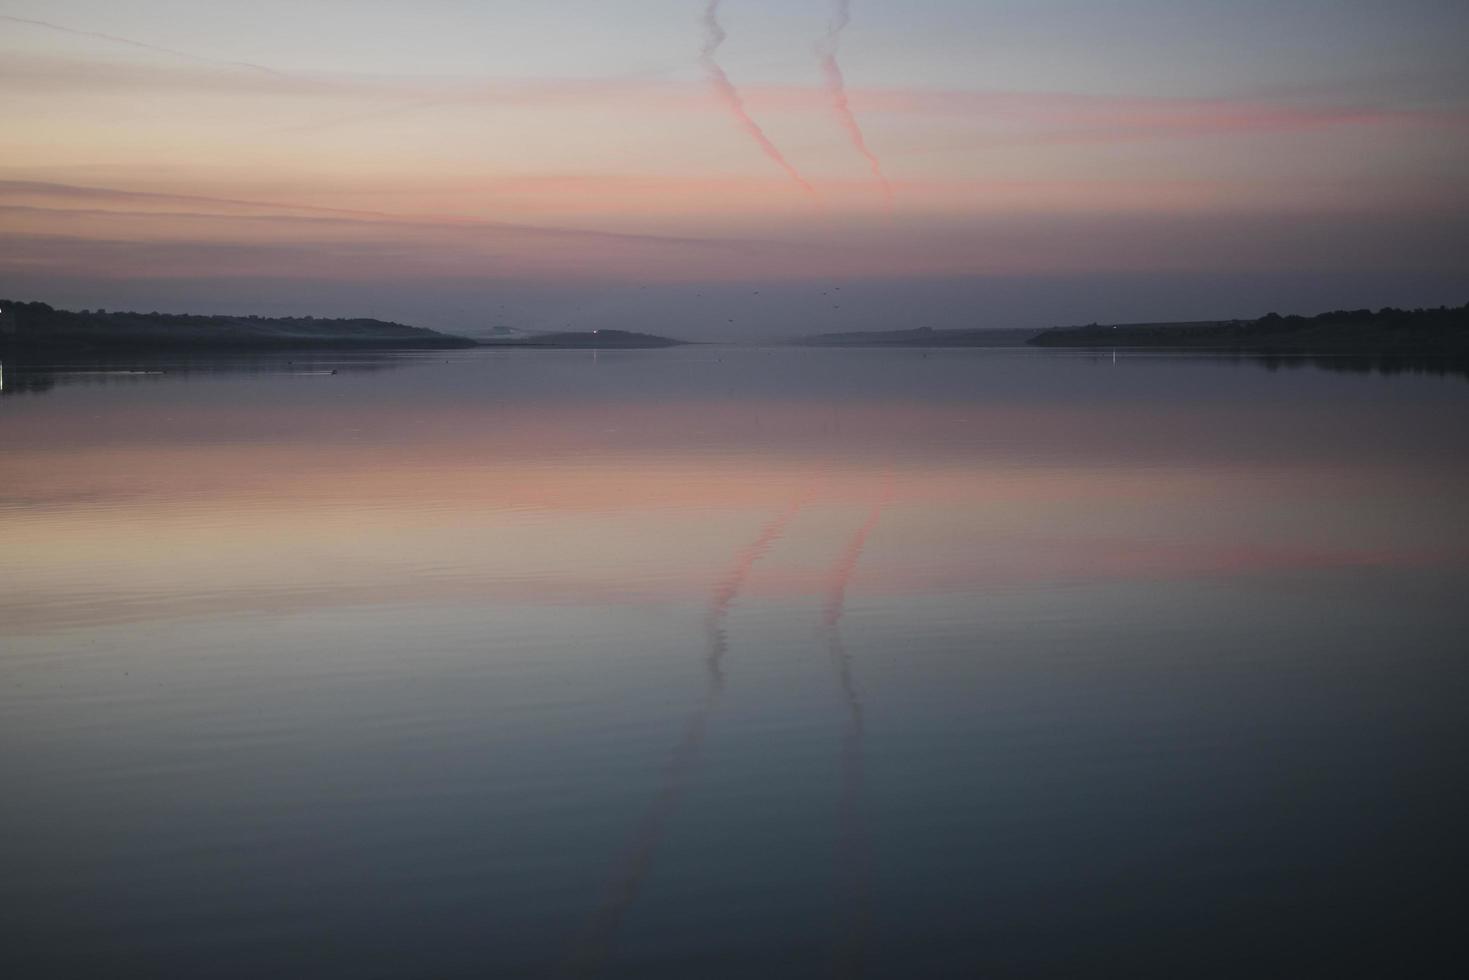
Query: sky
[738, 169]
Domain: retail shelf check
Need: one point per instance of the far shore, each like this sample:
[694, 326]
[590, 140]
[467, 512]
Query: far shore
[38, 328]
[30, 329]
[1441, 331]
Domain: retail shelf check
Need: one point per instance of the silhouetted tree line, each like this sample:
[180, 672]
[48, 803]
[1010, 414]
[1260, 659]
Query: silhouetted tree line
[39, 325]
[1445, 317]
[1436, 330]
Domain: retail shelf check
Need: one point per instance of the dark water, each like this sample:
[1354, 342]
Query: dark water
[731, 663]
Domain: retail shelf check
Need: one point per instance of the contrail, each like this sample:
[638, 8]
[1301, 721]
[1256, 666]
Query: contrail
[836, 89]
[854, 847]
[593, 949]
[713, 37]
[141, 44]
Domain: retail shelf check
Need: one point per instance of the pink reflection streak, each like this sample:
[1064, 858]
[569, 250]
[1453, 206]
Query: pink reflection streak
[854, 846]
[594, 948]
[728, 589]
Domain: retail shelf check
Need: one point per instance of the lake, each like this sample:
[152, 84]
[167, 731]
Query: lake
[717, 662]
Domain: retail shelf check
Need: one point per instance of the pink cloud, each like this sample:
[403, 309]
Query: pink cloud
[1043, 116]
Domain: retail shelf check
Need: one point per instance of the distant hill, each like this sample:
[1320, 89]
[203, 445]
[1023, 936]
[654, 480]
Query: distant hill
[1440, 331]
[921, 337]
[587, 340]
[40, 327]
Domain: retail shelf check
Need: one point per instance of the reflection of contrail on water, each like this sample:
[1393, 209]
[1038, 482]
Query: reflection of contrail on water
[836, 89]
[595, 945]
[713, 37]
[854, 848]
[729, 587]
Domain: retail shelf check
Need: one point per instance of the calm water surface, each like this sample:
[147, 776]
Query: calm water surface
[731, 663]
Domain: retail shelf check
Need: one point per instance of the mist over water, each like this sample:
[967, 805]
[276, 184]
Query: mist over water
[714, 662]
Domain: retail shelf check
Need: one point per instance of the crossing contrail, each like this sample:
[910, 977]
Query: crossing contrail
[113, 38]
[854, 848]
[593, 949]
[713, 37]
[836, 90]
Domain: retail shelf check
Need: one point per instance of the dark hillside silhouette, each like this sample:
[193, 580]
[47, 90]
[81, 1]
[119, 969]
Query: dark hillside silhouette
[1388, 331]
[41, 327]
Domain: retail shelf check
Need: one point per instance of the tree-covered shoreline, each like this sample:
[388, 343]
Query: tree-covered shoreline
[40, 327]
[1435, 331]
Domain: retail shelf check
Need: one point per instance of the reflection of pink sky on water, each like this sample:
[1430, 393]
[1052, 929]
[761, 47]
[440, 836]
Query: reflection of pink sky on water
[171, 527]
